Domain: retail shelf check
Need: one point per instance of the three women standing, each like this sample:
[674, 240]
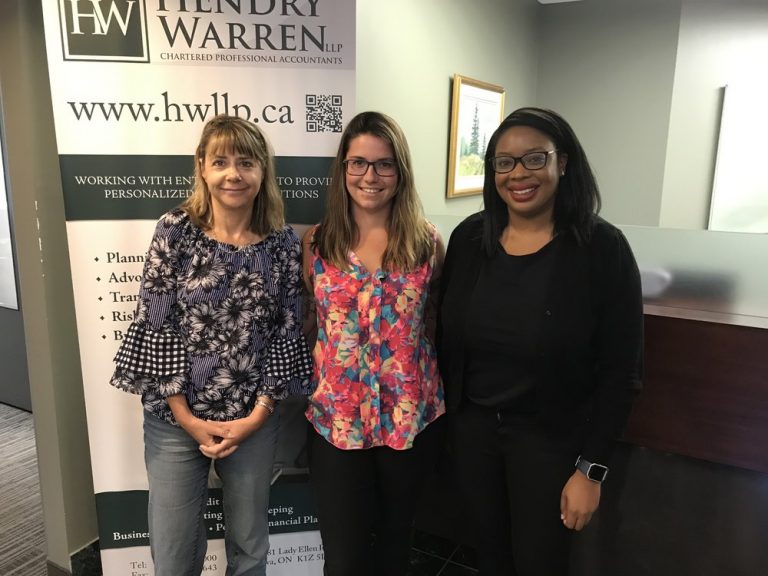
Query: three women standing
[540, 346]
[371, 266]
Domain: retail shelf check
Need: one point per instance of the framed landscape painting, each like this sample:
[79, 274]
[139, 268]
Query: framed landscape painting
[477, 109]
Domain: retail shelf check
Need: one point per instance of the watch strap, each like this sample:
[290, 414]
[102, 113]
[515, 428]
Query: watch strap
[593, 471]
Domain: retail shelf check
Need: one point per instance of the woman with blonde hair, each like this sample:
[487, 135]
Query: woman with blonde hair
[371, 266]
[215, 344]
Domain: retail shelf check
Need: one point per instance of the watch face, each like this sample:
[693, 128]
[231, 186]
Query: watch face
[597, 472]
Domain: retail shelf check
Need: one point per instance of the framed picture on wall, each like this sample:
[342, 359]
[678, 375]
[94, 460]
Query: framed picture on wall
[477, 109]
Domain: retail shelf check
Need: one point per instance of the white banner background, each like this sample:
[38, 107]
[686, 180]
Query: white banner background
[269, 63]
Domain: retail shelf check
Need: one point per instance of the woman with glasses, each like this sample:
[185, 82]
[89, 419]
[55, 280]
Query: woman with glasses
[540, 336]
[371, 266]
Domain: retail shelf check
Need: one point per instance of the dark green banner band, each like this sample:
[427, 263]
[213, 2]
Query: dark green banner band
[112, 187]
[122, 516]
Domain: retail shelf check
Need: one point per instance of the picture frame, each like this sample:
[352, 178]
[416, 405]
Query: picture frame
[477, 109]
[9, 297]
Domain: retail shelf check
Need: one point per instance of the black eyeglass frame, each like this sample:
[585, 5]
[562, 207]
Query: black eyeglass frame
[368, 164]
[520, 160]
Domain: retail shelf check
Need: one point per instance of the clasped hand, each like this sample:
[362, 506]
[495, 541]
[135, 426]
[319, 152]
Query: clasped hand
[220, 439]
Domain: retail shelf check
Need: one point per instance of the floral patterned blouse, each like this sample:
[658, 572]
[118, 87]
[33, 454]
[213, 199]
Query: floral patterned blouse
[219, 323]
[375, 367]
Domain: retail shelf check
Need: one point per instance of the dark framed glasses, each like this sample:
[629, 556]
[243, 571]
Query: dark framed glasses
[359, 166]
[530, 161]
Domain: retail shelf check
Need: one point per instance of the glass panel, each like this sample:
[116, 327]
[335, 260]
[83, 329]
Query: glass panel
[696, 274]
[721, 276]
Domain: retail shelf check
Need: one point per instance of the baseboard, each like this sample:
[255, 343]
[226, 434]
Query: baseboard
[87, 561]
[54, 570]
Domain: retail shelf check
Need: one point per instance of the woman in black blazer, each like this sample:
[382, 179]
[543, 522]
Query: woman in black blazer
[540, 344]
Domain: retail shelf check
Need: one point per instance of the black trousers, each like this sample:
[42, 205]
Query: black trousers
[511, 473]
[367, 499]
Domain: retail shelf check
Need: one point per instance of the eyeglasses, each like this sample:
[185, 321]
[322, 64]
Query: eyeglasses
[358, 167]
[530, 161]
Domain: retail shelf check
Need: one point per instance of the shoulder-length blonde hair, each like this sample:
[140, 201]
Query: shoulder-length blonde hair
[410, 239]
[232, 134]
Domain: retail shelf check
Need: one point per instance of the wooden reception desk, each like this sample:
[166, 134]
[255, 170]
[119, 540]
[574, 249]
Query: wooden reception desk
[705, 392]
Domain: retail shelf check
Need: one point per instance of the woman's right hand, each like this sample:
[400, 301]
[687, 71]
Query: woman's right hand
[207, 433]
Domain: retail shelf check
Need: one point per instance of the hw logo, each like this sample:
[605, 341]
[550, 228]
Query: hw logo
[113, 30]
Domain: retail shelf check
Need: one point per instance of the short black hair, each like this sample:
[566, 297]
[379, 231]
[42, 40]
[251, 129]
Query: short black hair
[577, 198]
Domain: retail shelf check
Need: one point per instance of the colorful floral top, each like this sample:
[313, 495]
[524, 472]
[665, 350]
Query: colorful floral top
[219, 323]
[375, 367]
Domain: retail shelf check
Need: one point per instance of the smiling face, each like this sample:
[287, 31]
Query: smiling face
[233, 179]
[370, 192]
[529, 194]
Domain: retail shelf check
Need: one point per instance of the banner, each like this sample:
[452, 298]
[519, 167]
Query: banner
[132, 83]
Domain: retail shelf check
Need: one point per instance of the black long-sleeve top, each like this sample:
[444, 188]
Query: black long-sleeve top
[590, 341]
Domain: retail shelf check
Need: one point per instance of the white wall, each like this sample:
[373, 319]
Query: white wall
[641, 82]
[721, 42]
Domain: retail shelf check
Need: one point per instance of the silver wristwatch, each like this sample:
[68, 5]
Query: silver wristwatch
[595, 472]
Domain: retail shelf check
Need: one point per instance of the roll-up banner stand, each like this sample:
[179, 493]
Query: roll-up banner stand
[132, 83]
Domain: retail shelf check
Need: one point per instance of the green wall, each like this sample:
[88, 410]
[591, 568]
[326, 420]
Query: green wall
[608, 67]
[409, 50]
[45, 284]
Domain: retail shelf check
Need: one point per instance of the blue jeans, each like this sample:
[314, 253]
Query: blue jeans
[178, 490]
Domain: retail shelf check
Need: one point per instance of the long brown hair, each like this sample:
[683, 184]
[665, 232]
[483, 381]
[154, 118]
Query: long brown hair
[233, 134]
[410, 239]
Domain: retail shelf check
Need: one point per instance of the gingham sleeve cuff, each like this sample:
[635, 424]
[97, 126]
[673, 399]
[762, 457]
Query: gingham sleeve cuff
[134, 383]
[288, 370]
[150, 352]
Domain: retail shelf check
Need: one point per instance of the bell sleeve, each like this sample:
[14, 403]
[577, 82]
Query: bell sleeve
[289, 362]
[152, 358]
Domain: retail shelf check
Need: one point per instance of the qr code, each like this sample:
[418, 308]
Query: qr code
[323, 112]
